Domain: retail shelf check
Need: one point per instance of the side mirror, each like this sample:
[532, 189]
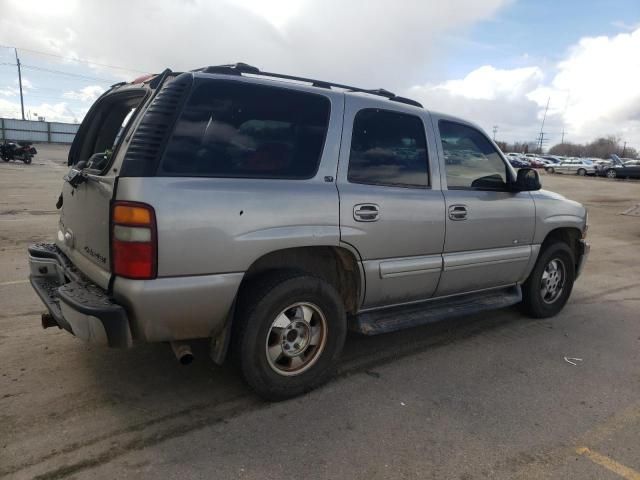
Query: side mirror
[527, 180]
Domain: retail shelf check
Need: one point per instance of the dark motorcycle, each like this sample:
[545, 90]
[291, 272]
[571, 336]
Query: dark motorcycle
[17, 151]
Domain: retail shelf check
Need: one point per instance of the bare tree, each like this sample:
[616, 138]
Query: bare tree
[602, 147]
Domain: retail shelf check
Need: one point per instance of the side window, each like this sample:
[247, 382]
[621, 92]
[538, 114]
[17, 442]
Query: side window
[471, 162]
[388, 148]
[237, 129]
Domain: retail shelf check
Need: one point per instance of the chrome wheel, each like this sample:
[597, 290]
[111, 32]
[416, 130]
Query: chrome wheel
[553, 280]
[611, 173]
[296, 339]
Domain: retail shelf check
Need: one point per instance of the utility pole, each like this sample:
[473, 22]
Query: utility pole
[495, 130]
[542, 126]
[562, 141]
[20, 82]
[624, 149]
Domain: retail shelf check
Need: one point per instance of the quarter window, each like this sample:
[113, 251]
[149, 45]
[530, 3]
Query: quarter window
[471, 162]
[388, 148]
[236, 129]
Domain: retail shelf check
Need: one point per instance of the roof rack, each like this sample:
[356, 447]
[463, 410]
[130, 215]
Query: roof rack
[243, 68]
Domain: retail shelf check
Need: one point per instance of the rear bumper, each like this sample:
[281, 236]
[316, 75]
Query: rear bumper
[583, 253]
[159, 310]
[74, 302]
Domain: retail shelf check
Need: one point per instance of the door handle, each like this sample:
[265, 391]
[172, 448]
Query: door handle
[366, 212]
[458, 212]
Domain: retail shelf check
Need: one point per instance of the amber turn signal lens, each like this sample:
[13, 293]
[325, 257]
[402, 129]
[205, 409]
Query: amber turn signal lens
[130, 215]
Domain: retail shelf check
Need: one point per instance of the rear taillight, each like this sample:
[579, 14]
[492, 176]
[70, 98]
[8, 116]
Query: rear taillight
[133, 240]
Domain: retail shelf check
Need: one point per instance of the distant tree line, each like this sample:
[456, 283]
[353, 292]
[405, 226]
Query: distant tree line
[602, 147]
[518, 147]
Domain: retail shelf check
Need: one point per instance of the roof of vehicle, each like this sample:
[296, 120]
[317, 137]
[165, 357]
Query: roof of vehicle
[253, 74]
[242, 69]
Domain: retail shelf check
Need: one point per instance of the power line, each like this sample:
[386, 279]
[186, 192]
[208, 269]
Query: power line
[68, 74]
[78, 60]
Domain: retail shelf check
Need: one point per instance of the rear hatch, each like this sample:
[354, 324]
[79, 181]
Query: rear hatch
[95, 155]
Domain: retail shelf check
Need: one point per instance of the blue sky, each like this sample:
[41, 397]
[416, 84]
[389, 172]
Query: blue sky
[495, 62]
[537, 32]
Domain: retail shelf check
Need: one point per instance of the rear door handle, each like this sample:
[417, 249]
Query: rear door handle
[366, 212]
[458, 212]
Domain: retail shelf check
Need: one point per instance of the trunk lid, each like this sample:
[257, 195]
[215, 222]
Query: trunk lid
[95, 155]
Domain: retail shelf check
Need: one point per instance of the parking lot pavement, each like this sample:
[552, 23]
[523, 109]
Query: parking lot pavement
[487, 396]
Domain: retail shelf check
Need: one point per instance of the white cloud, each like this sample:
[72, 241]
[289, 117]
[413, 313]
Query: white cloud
[597, 87]
[376, 43]
[58, 112]
[87, 94]
[594, 91]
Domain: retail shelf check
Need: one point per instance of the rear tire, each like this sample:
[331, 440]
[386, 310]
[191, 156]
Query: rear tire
[549, 285]
[582, 172]
[289, 332]
[611, 173]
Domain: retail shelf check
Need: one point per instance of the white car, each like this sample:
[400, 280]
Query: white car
[578, 166]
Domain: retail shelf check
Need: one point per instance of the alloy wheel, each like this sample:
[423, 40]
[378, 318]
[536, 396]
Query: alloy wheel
[553, 280]
[296, 339]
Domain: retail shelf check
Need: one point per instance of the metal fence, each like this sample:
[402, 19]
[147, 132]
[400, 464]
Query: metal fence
[37, 132]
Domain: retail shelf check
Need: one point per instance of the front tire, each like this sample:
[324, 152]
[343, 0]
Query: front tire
[549, 285]
[611, 173]
[582, 172]
[289, 332]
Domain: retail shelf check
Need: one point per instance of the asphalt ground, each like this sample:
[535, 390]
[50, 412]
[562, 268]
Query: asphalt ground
[485, 396]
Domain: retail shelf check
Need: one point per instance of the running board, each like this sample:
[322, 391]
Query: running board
[407, 316]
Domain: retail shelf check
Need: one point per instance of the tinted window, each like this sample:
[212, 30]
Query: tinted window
[470, 159]
[388, 148]
[234, 129]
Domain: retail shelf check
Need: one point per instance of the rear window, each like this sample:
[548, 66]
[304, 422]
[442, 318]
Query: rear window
[236, 129]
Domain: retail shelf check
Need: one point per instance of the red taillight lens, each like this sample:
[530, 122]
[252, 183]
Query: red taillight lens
[133, 240]
[133, 259]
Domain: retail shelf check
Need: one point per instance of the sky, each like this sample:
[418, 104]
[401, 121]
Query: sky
[494, 62]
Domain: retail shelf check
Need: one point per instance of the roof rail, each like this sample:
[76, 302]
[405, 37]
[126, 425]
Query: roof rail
[243, 68]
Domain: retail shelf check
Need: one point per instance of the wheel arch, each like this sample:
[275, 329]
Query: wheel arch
[338, 265]
[568, 235]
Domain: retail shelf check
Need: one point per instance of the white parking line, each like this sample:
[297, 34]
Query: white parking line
[13, 282]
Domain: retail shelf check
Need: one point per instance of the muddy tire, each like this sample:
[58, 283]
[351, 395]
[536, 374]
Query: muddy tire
[289, 332]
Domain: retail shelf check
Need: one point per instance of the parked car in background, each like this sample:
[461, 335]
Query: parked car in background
[551, 159]
[535, 161]
[577, 166]
[620, 168]
[517, 162]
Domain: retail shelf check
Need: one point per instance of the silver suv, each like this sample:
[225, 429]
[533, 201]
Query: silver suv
[271, 213]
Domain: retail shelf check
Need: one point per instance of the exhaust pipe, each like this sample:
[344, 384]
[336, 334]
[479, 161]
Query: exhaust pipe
[183, 352]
